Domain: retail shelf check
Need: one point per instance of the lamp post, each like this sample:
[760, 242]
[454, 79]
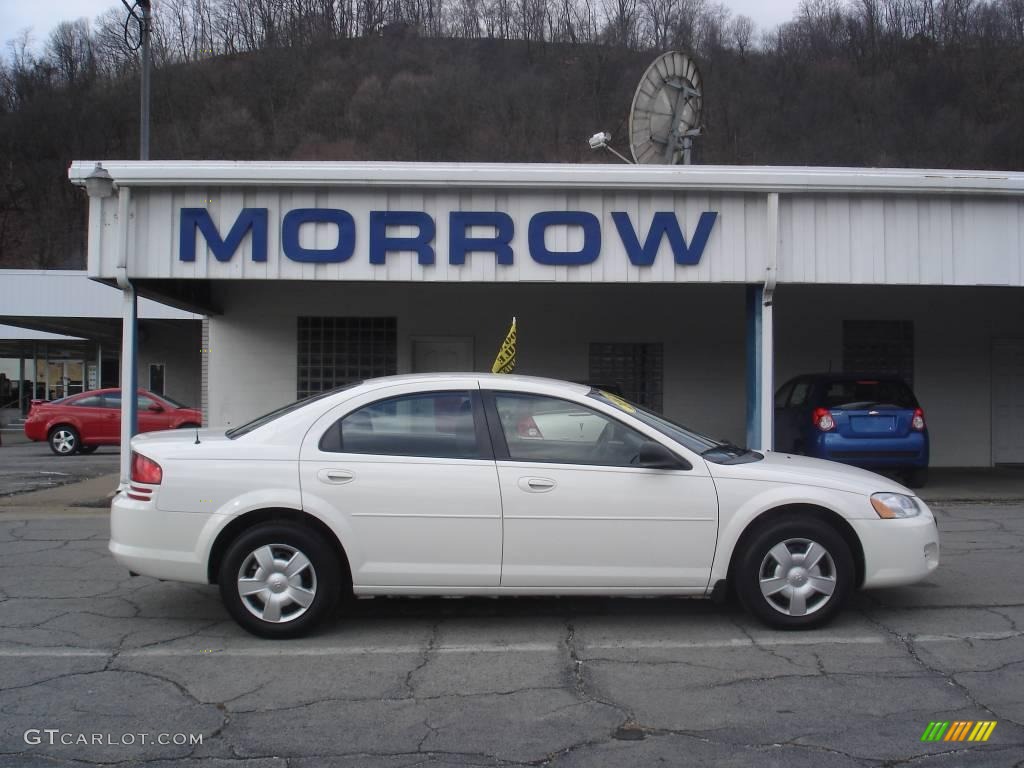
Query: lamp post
[146, 27]
[144, 18]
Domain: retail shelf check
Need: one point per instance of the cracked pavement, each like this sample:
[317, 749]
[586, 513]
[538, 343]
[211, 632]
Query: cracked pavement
[587, 682]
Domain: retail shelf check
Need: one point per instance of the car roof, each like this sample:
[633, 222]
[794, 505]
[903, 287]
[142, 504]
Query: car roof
[491, 380]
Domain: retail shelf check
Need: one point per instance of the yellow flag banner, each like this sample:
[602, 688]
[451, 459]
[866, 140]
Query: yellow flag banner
[505, 362]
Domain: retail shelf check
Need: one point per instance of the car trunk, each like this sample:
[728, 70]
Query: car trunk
[873, 423]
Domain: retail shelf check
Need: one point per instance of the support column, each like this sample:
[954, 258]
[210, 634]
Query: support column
[760, 343]
[129, 350]
[21, 382]
[754, 352]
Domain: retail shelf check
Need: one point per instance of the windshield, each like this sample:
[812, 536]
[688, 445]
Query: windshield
[854, 395]
[695, 441]
[266, 418]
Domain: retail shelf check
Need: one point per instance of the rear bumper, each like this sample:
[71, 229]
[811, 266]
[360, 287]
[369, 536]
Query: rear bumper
[898, 552]
[910, 451]
[154, 543]
[35, 430]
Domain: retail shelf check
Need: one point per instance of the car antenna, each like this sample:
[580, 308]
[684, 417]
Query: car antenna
[197, 437]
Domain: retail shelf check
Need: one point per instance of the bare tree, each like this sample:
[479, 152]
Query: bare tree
[70, 49]
[741, 33]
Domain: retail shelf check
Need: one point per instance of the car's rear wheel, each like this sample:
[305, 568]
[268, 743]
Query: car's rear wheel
[795, 573]
[279, 580]
[64, 440]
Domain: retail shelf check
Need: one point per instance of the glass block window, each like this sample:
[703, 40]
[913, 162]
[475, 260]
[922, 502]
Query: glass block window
[335, 351]
[879, 346]
[634, 371]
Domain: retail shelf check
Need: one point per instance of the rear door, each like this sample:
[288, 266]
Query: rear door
[412, 477]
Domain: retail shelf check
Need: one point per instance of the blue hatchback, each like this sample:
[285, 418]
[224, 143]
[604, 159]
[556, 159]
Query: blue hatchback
[868, 421]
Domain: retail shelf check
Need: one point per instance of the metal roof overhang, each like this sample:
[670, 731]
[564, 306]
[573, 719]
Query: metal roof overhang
[783, 179]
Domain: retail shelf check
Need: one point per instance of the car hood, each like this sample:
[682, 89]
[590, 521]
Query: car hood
[802, 470]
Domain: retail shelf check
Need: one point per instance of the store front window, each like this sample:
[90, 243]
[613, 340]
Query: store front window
[633, 371]
[335, 351]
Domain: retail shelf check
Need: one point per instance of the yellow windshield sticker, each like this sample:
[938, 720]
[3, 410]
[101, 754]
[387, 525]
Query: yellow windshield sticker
[617, 401]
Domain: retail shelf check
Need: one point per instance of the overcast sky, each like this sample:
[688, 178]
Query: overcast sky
[41, 16]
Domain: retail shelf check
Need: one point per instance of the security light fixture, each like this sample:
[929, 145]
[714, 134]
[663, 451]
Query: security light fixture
[99, 183]
[601, 141]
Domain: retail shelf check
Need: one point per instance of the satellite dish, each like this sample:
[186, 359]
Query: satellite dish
[665, 115]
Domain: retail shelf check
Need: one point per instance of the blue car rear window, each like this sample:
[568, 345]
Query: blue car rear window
[867, 393]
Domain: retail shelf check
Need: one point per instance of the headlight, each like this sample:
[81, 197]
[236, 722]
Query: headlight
[892, 505]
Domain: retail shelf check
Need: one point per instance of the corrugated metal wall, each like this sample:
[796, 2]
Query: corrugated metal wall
[840, 238]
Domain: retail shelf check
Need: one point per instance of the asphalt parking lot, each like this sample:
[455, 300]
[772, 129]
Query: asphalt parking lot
[88, 652]
[26, 467]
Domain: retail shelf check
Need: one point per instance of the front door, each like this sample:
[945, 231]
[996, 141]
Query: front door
[412, 477]
[578, 513]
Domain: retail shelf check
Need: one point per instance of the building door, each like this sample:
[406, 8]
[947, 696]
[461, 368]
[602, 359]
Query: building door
[1008, 401]
[439, 354]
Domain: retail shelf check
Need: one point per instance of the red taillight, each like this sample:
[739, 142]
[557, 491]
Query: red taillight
[918, 421]
[527, 427]
[145, 470]
[823, 420]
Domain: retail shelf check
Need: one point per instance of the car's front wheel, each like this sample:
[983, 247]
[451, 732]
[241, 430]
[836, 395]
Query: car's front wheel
[64, 440]
[795, 573]
[279, 580]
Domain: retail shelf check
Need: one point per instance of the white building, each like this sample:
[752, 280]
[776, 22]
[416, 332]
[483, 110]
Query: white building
[695, 289]
[61, 334]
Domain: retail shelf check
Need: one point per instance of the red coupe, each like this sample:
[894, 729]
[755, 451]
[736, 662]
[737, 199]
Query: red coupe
[86, 421]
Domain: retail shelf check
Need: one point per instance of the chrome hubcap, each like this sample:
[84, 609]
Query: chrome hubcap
[797, 577]
[63, 441]
[277, 583]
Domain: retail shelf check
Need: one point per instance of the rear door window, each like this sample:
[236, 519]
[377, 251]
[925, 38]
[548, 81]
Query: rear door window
[863, 394]
[799, 394]
[429, 425]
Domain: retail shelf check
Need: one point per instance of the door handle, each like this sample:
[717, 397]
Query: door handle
[536, 484]
[336, 476]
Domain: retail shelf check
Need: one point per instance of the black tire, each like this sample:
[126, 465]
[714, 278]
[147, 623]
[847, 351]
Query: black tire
[916, 478]
[87, 448]
[792, 531]
[281, 537]
[188, 426]
[64, 440]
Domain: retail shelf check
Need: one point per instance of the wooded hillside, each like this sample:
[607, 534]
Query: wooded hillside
[921, 83]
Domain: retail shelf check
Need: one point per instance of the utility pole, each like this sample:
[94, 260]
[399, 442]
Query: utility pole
[146, 27]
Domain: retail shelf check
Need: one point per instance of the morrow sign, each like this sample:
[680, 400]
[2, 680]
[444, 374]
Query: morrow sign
[196, 222]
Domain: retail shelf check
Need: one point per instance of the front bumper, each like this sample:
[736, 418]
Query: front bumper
[150, 542]
[898, 552]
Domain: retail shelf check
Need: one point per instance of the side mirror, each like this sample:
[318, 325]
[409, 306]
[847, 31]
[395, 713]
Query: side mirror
[155, 408]
[656, 456]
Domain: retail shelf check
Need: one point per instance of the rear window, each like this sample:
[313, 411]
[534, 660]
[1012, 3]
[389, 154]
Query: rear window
[853, 395]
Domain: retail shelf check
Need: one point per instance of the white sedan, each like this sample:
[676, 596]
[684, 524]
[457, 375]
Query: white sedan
[436, 484]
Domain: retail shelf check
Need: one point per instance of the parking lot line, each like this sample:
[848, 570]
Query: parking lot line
[272, 649]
